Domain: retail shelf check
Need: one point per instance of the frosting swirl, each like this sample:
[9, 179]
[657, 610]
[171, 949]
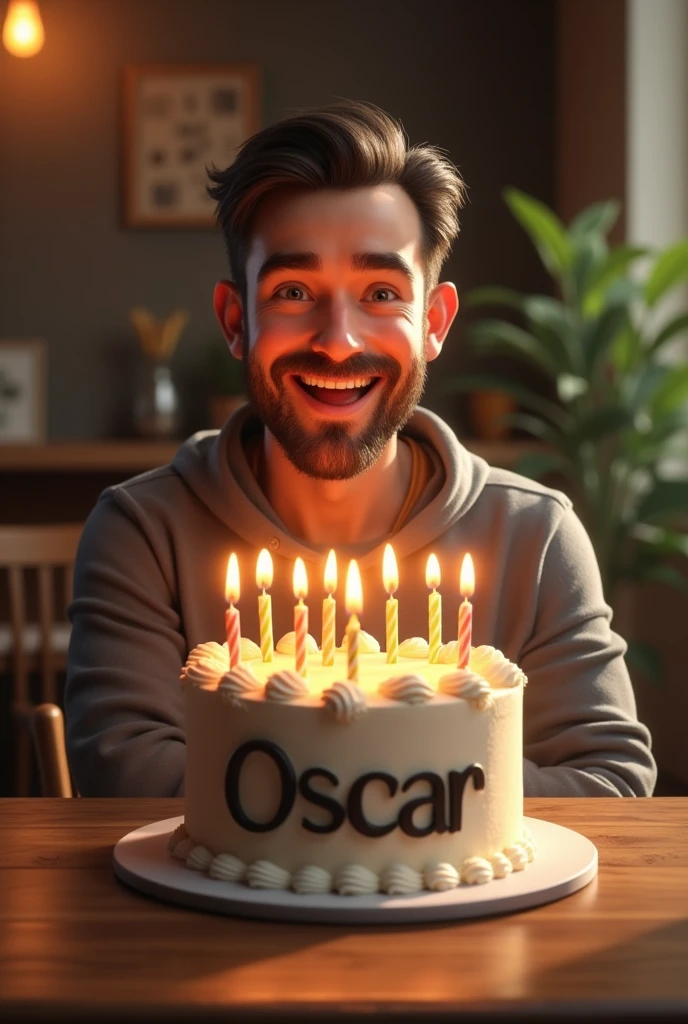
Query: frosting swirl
[469, 685]
[183, 848]
[496, 668]
[414, 647]
[476, 871]
[448, 653]
[227, 868]
[205, 665]
[344, 701]
[367, 644]
[400, 879]
[517, 855]
[239, 681]
[250, 650]
[199, 859]
[355, 880]
[409, 688]
[177, 836]
[501, 865]
[440, 877]
[263, 874]
[311, 879]
[285, 686]
[287, 644]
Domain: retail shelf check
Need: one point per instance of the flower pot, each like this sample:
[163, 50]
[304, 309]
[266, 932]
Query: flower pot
[487, 410]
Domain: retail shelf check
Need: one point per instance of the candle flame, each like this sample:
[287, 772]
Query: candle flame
[300, 579]
[264, 569]
[354, 590]
[331, 573]
[390, 574]
[232, 589]
[467, 584]
[432, 572]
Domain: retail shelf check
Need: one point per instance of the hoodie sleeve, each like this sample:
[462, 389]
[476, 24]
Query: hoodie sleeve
[582, 736]
[124, 706]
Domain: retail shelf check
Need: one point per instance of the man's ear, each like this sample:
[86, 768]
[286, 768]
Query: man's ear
[229, 312]
[443, 305]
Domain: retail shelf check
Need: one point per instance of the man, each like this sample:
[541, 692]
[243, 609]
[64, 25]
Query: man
[336, 233]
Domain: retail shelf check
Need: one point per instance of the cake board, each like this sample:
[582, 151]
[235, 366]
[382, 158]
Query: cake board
[565, 862]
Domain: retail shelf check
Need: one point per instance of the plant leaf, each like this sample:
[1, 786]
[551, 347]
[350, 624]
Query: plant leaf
[675, 326]
[672, 392]
[486, 334]
[494, 297]
[602, 422]
[528, 399]
[616, 264]
[545, 229]
[602, 336]
[554, 324]
[570, 387]
[670, 268]
[661, 572]
[667, 500]
[535, 465]
[599, 218]
[647, 660]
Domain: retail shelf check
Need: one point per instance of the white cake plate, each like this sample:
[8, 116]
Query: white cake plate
[565, 862]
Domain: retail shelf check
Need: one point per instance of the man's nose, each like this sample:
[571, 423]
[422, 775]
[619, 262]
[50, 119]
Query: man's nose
[336, 336]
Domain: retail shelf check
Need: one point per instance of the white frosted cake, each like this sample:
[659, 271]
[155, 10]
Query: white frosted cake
[412, 779]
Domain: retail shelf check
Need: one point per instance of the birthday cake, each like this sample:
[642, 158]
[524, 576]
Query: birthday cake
[409, 778]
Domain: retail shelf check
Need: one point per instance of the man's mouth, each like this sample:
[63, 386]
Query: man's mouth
[336, 391]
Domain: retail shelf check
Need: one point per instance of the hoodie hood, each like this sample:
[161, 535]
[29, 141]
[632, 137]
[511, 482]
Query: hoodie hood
[214, 466]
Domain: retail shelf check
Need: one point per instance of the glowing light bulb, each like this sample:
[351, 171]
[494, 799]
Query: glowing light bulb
[22, 33]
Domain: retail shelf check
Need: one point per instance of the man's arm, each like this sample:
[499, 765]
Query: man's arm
[582, 736]
[124, 705]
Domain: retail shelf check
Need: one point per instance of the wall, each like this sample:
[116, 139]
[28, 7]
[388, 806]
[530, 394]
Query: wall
[474, 77]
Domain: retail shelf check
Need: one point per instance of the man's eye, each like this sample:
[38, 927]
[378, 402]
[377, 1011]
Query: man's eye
[383, 295]
[293, 293]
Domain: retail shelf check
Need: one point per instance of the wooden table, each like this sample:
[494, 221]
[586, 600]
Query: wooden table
[75, 944]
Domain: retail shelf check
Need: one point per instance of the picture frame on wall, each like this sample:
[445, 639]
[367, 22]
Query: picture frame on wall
[22, 391]
[178, 120]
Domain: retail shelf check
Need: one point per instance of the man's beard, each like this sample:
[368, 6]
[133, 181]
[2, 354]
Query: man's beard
[332, 452]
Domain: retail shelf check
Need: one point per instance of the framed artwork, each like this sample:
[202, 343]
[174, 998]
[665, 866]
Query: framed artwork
[22, 391]
[178, 120]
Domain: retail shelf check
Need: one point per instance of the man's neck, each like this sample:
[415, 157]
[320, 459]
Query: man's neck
[336, 513]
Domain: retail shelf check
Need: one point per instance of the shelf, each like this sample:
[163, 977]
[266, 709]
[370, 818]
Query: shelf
[86, 456]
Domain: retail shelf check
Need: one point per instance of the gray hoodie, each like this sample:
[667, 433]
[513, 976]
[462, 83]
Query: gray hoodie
[149, 586]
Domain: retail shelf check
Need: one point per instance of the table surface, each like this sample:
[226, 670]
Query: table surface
[75, 943]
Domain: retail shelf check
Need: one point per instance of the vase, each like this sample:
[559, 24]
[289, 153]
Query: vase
[156, 401]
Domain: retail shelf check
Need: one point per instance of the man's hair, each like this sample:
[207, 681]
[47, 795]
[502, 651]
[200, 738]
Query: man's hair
[347, 145]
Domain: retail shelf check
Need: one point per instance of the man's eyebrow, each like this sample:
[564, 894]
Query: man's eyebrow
[312, 262]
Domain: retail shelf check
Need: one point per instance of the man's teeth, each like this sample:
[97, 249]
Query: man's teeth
[339, 385]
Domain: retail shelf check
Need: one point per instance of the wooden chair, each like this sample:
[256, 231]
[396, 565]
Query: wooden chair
[47, 729]
[38, 562]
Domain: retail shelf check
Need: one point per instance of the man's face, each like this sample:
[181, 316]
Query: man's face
[336, 325]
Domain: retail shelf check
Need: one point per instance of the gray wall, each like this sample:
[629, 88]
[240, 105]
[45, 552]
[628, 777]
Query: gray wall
[473, 76]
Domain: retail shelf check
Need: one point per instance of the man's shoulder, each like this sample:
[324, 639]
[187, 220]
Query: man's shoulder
[516, 488]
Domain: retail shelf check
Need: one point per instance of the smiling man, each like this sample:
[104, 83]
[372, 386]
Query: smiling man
[336, 233]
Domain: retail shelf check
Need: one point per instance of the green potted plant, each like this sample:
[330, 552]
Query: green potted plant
[621, 408]
[225, 376]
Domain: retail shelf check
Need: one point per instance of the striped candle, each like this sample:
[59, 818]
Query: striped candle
[232, 620]
[390, 578]
[353, 631]
[264, 580]
[467, 586]
[329, 610]
[432, 579]
[300, 617]
[354, 606]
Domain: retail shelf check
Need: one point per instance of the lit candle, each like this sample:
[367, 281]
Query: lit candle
[232, 622]
[300, 616]
[328, 610]
[432, 579]
[467, 585]
[264, 581]
[354, 606]
[390, 578]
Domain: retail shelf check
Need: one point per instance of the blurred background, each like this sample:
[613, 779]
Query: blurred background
[109, 351]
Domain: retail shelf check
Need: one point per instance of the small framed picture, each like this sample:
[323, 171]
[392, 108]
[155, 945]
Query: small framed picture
[22, 391]
[180, 119]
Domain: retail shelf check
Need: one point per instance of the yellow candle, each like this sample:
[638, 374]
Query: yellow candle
[390, 577]
[264, 581]
[300, 617]
[329, 610]
[432, 579]
[354, 605]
